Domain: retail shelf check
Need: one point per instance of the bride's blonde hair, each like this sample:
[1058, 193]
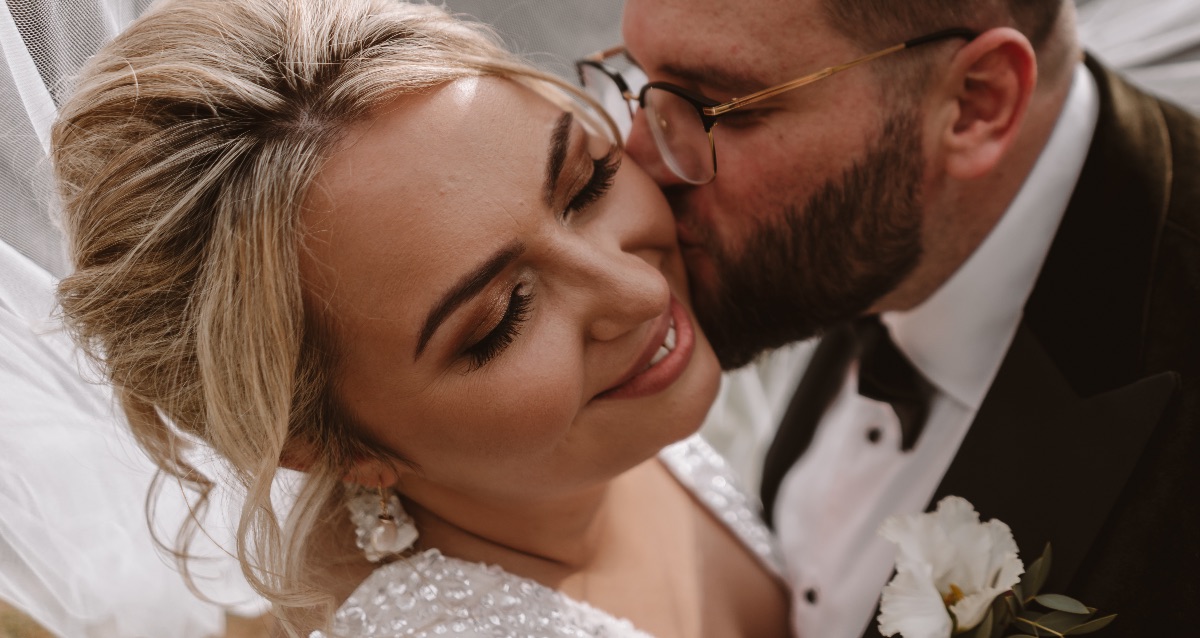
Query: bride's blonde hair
[183, 157]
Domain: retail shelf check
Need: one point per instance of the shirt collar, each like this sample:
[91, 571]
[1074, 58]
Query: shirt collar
[958, 337]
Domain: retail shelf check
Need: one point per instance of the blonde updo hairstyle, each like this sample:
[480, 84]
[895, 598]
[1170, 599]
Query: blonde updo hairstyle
[183, 157]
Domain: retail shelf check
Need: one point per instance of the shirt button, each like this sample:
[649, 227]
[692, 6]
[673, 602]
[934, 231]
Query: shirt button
[810, 595]
[874, 434]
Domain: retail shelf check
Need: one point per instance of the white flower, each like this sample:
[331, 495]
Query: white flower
[913, 607]
[947, 562]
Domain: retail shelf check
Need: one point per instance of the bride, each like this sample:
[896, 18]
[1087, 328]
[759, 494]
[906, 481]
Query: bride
[357, 239]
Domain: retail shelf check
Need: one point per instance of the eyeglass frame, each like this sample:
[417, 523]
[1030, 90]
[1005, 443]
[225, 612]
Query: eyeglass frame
[710, 110]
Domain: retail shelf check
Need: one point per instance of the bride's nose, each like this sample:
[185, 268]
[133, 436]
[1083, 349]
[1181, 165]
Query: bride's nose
[623, 247]
[623, 290]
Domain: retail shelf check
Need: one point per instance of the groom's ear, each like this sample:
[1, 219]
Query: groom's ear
[981, 102]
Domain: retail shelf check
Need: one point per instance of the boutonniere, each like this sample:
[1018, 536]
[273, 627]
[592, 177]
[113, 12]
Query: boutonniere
[958, 576]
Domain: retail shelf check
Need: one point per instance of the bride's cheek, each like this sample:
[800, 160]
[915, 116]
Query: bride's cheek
[528, 402]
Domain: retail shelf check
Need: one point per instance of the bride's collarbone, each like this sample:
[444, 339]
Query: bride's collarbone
[743, 598]
[653, 573]
[675, 571]
[659, 559]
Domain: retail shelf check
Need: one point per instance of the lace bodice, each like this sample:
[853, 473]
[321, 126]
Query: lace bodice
[429, 594]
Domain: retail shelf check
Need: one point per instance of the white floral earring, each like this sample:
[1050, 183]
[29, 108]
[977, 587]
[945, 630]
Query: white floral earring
[382, 527]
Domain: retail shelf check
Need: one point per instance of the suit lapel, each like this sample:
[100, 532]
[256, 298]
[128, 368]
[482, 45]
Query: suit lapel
[1073, 405]
[1090, 303]
[1048, 462]
[1069, 413]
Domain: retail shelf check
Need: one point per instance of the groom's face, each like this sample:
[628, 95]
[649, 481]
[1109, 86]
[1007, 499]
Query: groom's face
[815, 211]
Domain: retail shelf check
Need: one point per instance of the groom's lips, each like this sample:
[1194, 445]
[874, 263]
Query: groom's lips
[641, 381]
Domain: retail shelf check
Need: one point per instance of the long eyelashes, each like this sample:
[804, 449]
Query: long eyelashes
[505, 331]
[604, 171]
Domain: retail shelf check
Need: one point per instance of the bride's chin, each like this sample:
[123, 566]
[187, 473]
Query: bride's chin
[687, 409]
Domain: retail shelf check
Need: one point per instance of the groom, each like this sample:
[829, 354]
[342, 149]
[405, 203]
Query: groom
[1026, 227]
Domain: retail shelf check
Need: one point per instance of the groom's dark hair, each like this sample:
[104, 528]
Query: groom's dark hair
[878, 23]
[875, 24]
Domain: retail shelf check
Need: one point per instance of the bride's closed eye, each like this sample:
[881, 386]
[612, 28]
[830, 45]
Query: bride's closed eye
[500, 337]
[506, 330]
[604, 172]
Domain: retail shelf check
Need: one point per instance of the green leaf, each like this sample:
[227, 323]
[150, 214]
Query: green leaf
[1058, 602]
[1035, 575]
[984, 628]
[1030, 614]
[1022, 625]
[1089, 627]
[1061, 621]
[1014, 605]
[1002, 609]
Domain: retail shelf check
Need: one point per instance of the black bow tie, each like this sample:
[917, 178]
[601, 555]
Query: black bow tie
[884, 374]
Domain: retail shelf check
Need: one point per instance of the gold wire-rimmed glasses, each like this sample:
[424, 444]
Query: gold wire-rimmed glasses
[681, 120]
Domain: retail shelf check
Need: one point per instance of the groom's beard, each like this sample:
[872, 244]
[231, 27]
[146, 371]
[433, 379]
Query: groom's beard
[810, 268]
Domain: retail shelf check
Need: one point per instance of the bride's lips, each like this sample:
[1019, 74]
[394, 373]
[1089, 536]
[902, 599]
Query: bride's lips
[641, 381]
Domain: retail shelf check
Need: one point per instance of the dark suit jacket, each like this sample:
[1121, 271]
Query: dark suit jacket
[1089, 436]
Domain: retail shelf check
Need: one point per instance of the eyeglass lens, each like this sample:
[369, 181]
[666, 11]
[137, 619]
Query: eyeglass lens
[680, 136]
[608, 94]
[674, 123]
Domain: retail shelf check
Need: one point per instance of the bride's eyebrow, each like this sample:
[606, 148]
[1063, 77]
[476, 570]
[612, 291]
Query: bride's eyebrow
[475, 281]
[559, 141]
[467, 288]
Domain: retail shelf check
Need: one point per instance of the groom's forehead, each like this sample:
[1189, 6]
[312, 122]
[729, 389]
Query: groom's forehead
[734, 46]
[753, 20]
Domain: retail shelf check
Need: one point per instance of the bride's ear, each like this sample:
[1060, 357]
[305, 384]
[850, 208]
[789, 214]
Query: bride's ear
[298, 455]
[372, 473]
[368, 470]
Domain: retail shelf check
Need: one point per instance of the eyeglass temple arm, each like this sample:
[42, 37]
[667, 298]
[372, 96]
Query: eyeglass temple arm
[737, 103]
[944, 34]
[600, 56]
[597, 60]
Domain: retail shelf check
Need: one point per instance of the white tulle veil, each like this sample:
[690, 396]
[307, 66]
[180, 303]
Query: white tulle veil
[75, 554]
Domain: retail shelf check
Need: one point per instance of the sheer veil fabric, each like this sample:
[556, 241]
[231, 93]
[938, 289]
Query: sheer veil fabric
[75, 553]
[1154, 43]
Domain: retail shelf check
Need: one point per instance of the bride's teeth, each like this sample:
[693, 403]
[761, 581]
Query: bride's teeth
[660, 355]
[665, 349]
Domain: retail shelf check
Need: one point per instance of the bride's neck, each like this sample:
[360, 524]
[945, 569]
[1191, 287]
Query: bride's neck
[566, 533]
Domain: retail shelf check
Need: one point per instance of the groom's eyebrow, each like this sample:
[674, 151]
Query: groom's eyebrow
[467, 288]
[716, 78]
[559, 141]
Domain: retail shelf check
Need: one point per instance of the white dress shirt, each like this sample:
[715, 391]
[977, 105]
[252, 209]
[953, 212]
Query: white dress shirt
[854, 474]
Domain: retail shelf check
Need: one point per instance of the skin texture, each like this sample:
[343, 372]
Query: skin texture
[527, 426]
[519, 461]
[966, 141]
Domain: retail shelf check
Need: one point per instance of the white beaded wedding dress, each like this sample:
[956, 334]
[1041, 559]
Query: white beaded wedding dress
[430, 594]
